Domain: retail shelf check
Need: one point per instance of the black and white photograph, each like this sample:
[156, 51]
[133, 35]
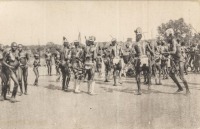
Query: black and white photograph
[100, 64]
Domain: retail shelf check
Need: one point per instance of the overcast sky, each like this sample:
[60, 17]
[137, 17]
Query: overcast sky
[45, 21]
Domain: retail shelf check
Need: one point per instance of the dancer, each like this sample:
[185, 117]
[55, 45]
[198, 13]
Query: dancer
[23, 69]
[10, 69]
[116, 61]
[177, 61]
[139, 60]
[90, 57]
[65, 64]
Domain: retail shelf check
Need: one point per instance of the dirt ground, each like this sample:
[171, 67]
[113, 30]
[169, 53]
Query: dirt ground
[47, 107]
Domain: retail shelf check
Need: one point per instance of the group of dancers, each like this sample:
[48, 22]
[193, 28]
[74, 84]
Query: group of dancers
[168, 57]
[163, 57]
[13, 65]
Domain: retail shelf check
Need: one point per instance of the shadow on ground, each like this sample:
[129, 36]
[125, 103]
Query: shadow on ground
[134, 91]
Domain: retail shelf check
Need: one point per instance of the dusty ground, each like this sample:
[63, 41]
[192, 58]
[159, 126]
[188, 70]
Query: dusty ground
[47, 107]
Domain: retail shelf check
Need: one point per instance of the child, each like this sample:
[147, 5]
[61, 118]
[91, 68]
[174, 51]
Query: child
[36, 64]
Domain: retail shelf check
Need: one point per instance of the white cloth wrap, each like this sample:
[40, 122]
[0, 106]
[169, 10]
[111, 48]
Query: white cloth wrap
[116, 60]
[89, 65]
[144, 60]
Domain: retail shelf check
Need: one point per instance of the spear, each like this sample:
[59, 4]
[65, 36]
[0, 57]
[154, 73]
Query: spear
[194, 29]
[39, 50]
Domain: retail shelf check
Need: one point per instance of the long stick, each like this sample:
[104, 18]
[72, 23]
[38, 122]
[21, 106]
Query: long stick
[39, 50]
[194, 29]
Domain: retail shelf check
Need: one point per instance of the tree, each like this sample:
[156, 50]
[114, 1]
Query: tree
[182, 30]
[52, 46]
[196, 38]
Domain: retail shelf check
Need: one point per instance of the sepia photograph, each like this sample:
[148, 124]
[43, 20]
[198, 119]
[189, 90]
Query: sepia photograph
[100, 64]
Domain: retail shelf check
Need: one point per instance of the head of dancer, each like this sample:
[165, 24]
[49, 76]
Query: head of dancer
[76, 43]
[138, 33]
[113, 42]
[13, 46]
[127, 45]
[66, 44]
[20, 47]
[169, 34]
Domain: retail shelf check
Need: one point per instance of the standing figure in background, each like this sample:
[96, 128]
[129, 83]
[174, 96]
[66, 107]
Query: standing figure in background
[157, 64]
[116, 61]
[196, 60]
[10, 69]
[107, 63]
[65, 64]
[183, 52]
[48, 59]
[154, 62]
[164, 60]
[99, 62]
[192, 56]
[126, 55]
[198, 56]
[23, 69]
[36, 64]
[77, 65]
[148, 71]
[57, 58]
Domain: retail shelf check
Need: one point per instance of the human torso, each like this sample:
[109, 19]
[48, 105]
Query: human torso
[164, 49]
[115, 51]
[89, 57]
[126, 51]
[99, 59]
[12, 58]
[57, 56]
[76, 53]
[23, 57]
[36, 63]
[139, 49]
[178, 54]
[66, 53]
[48, 56]
[90, 52]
